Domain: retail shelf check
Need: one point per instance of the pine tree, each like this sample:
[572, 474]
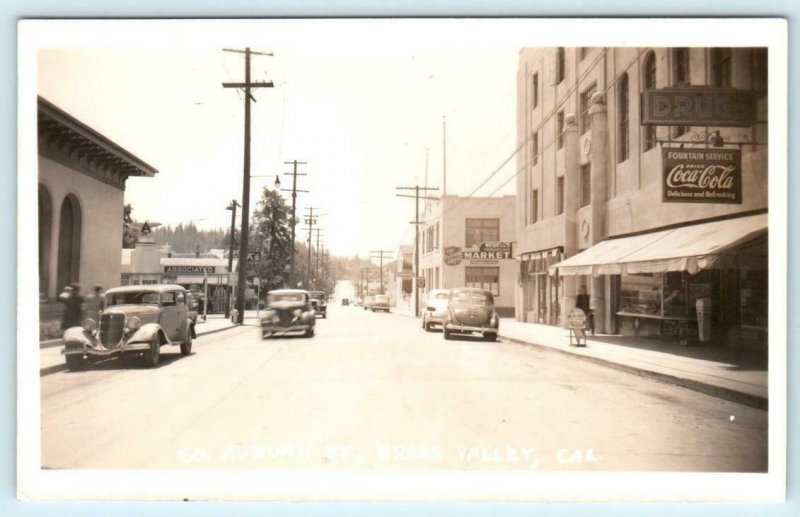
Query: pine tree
[271, 236]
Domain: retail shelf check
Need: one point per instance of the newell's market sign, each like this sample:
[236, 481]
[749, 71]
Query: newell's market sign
[698, 107]
[489, 250]
[189, 269]
[702, 175]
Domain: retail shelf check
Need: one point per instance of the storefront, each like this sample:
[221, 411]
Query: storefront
[541, 291]
[700, 283]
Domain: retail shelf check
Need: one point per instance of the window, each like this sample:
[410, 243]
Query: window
[721, 71]
[483, 278]
[560, 65]
[623, 137]
[649, 84]
[535, 149]
[534, 205]
[535, 91]
[180, 298]
[760, 71]
[436, 237]
[560, 129]
[560, 195]
[586, 184]
[680, 77]
[586, 97]
[480, 230]
[168, 299]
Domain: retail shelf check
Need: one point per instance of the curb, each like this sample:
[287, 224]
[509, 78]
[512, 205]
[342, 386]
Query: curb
[746, 399]
[61, 367]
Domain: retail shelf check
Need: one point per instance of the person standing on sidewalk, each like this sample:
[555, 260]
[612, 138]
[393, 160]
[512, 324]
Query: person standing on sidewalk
[72, 308]
[94, 303]
[582, 302]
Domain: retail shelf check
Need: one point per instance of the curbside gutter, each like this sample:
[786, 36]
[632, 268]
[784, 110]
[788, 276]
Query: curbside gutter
[746, 399]
[61, 367]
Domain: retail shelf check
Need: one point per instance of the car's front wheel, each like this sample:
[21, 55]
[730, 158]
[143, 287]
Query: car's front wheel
[153, 356]
[490, 336]
[310, 332]
[186, 346]
[447, 334]
[75, 362]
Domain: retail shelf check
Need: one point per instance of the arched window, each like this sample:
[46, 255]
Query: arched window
[623, 136]
[649, 83]
[45, 233]
[69, 242]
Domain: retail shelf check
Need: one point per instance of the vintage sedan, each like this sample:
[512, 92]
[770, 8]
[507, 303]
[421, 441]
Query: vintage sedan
[319, 303]
[289, 311]
[136, 320]
[471, 311]
[379, 302]
[435, 308]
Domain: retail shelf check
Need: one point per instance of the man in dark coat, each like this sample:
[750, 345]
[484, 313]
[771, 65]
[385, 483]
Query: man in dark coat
[582, 302]
[72, 308]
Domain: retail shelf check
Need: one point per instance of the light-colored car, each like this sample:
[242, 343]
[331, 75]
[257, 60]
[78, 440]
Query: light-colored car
[367, 303]
[471, 311]
[288, 311]
[318, 301]
[379, 302]
[435, 308]
[136, 320]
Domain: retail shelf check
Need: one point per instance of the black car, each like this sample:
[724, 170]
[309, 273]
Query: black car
[318, 301]
[288, 311]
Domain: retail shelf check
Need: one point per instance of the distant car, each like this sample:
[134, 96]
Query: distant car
[345, 301]
[136, 320]
[288, 311]
[471, 311]
[435, 308]
[367, 303]
[319, 303]
[379, 302]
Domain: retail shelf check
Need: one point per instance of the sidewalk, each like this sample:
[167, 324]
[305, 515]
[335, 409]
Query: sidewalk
[712, 370]
[51, 360]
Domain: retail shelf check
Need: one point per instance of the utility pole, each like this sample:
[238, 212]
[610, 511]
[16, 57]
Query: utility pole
[316, 256]
[294, 174]
[229, 291]
[381, 256]
[416, 222]
[247, 85]
[310, 220]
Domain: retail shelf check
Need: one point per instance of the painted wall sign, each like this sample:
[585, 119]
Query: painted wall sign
[702, 175]
[489, 250]
[189, 269]
[452, 255]
[698, 107]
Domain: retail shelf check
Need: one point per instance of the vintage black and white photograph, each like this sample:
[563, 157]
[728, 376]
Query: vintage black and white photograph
[388, 253]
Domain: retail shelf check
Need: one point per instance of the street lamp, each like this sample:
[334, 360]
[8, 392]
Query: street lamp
[277, 182]
[232, 207]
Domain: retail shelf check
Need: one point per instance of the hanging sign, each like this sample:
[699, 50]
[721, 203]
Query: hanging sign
[702, 175]
[189, 269]
[452, 255]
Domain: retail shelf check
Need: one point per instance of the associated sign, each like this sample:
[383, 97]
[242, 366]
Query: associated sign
[189, 269]
[698, 107]
[489, 250]
[702, 175]
[452, 255]
[405, 274]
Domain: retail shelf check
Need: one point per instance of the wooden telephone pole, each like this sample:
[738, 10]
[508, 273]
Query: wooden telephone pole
[247, 85]
[310, 220]
[294, 174]
[416, 222]
[381, 257]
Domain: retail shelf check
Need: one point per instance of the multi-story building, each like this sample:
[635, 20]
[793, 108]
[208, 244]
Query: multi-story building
[468, 242]
[643, 176]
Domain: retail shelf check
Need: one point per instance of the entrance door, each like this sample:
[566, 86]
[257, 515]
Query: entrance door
[69, 242]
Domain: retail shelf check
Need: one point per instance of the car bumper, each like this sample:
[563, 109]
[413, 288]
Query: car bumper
[88, 349]
[276, 330]
[435, 319]
[454, 327]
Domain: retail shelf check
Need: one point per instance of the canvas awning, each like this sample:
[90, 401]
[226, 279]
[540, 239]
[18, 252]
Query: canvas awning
[690, 248]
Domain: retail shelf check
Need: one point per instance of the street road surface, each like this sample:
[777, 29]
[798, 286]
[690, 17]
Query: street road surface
[374, 391]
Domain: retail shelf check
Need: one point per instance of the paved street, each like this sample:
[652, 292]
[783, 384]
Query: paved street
[374, 391]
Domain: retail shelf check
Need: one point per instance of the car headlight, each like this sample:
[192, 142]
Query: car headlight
[296, 312]
[133, 323]
[89, 325]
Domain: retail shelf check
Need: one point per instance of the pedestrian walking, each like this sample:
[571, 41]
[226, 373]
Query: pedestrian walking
[73, 307]
[582, 302]
[94, 302]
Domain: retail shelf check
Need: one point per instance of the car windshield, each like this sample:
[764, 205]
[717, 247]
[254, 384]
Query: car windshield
[443, 295]
[286, 297]
[132, 298]
[316, 296]
[381, 298]
[471, 297]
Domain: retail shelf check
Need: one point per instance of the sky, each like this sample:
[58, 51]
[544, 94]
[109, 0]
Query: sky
[365, 117]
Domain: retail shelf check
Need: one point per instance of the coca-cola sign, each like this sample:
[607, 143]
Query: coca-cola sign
[702, 175]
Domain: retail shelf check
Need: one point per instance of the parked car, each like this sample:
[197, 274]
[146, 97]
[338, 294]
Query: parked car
[318, 301]
[379, 302]
[435, 308]
[288, 311]
[471, 311]
[136, 320]
[345, 301]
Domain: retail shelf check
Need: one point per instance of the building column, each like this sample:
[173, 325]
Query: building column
[599, 159]
[572, 184]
